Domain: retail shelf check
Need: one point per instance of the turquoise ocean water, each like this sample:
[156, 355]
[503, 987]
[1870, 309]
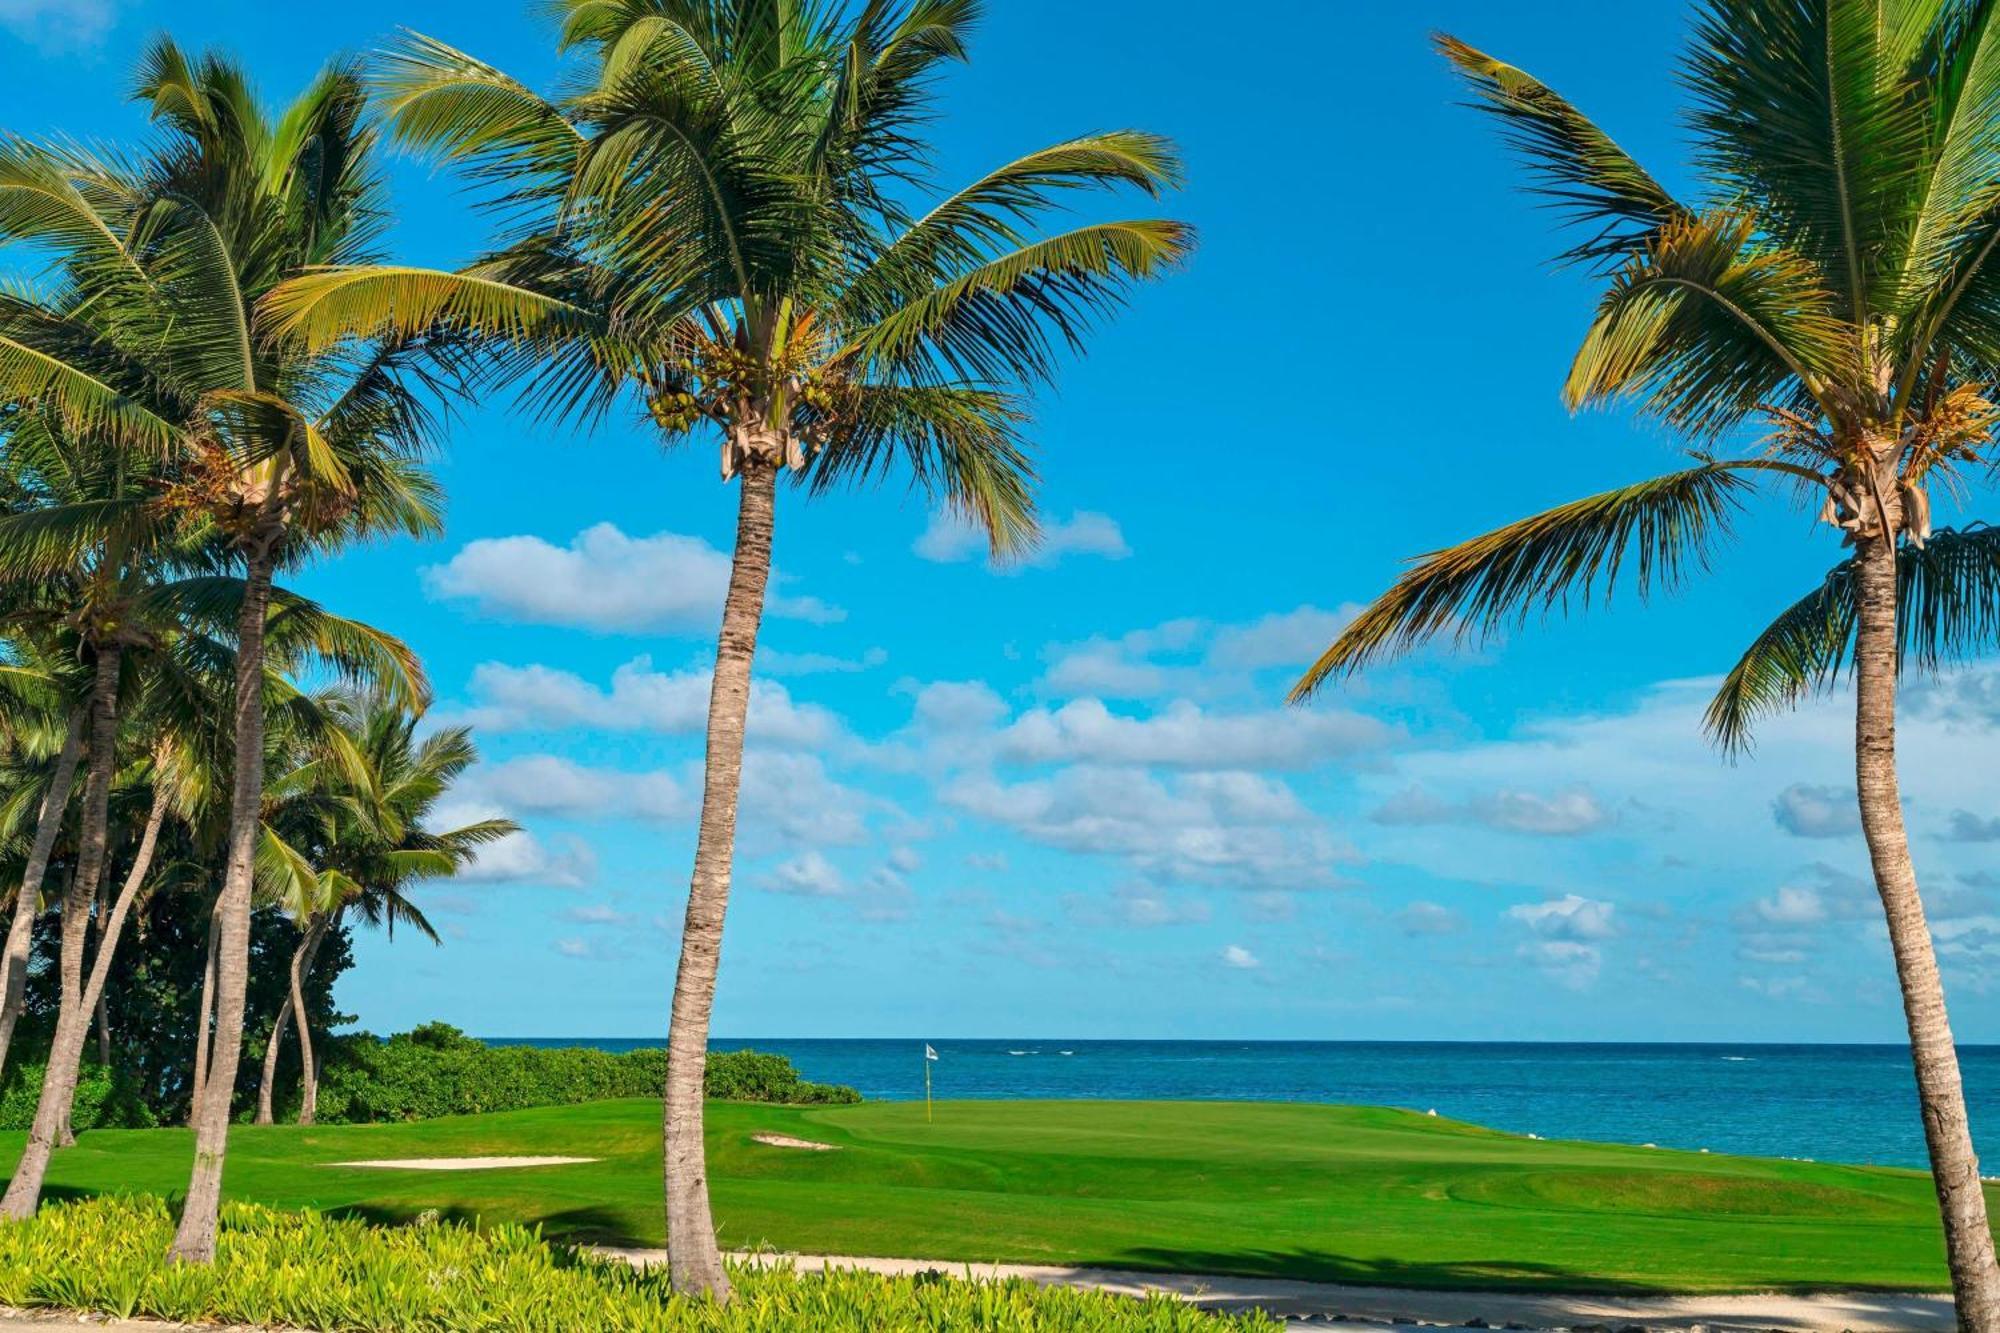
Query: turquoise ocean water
[1829, 1103]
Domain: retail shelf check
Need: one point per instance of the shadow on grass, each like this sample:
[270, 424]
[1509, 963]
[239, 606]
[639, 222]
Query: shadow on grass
[570, 1226]
[1304, 1265]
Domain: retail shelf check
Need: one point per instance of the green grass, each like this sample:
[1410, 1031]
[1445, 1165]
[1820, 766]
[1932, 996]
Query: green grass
[1343, 1194]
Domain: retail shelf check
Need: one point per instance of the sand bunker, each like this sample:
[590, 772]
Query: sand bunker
[787, 1141]
[461, 1163]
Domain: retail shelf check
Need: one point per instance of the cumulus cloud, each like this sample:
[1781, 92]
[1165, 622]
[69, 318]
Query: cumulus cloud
[543, 698]
[808, 874]
[1235, 829]
[57, 26]
[521, 858]
[1240, 958]
[550, 784]
[1792, 905]
[1567, 962]
[1806, 811]
[952, 539]
[1292, 639]
[1425, 918]
[1571, 917]
[1187, 736]
[603, 580]
[1566, 814]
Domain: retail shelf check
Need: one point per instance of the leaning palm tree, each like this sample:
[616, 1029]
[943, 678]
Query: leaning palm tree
[715, 227]
[44, 728]
[354, 837]
[276, 452]
[1835, 289]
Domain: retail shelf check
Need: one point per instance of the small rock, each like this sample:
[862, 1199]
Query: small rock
[1475, 1322]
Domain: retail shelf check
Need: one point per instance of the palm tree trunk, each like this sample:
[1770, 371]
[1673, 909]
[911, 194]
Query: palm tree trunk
[51, 1123]
[24, 1192]
[302, 962]
[202, 1023]
[1975, 1278]
[28, 902]
[194, 1241]
[267, 1080]
[694, 1261]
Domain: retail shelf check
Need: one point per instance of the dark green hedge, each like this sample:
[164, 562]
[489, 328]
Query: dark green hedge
[102, 1100]
[438, 1070]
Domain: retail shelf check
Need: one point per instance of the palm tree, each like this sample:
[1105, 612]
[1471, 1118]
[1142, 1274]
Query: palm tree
[43, 722]
[715, 227]
[1835, 289]
[275, 452]
[355, 838]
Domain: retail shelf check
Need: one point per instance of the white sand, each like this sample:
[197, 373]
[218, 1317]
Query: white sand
[1311, 1302]
[461, 1163]
[787, 1141]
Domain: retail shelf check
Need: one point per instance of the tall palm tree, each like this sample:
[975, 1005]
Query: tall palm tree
[715, 227]
[356, 838]
[277, 452]
[1836, 288]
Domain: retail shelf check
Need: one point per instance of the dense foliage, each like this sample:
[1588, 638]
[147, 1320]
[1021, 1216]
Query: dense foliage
[305, 1270]
[438, 1070]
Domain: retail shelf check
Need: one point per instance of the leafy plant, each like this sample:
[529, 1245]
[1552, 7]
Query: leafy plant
[306, 1270]
[436, 1070]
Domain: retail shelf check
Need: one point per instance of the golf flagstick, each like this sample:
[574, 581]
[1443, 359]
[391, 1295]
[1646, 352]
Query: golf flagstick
[929, 1055]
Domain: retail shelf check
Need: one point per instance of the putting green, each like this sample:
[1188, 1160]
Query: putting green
[1349, 1194]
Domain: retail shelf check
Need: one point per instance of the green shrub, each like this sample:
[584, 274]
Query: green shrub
[102, 1099]
[305, 1270]
[437, 1070]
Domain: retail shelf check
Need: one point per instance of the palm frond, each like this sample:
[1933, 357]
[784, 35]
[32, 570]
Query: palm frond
[1577, 167]
[1669, 526]
[1948, 611]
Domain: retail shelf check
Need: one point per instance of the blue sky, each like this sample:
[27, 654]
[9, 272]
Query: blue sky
[1066, 799]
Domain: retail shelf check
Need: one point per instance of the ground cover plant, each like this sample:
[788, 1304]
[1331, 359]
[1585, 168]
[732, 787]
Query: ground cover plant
[1323, 1192]
[305, 1270]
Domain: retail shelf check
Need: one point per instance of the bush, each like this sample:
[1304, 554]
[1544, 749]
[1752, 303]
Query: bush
[102, 1099]
[305, 1270]
[437, 1070]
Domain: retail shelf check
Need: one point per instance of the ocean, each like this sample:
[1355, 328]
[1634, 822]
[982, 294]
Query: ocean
[1827, 1103]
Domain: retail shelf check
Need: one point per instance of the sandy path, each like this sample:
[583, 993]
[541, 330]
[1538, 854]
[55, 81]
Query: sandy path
[460, 1163]
[1310, 1303]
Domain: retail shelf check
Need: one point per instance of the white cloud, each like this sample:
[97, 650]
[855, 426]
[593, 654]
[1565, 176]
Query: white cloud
[598, 914]
[1424, 918]
[603, 580]
[1236, 829]
[1792, 905]
[59, 25]
[1242, 959]
[1806, 811]
[790, 801]
[808, 874]
[1571, 917]
[1568, 962]
[1565, 814]
[523, 858]
[549, 784]
[1292, 639]
[542, 698]
[951, 539]
[1184, 735]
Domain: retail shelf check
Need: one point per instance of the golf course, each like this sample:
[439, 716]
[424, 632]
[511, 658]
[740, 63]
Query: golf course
[1345, 1194]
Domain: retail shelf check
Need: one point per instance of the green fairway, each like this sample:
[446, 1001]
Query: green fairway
[1335, 1193]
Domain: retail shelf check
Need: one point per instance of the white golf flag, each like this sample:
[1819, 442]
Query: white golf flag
[929, 1054]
